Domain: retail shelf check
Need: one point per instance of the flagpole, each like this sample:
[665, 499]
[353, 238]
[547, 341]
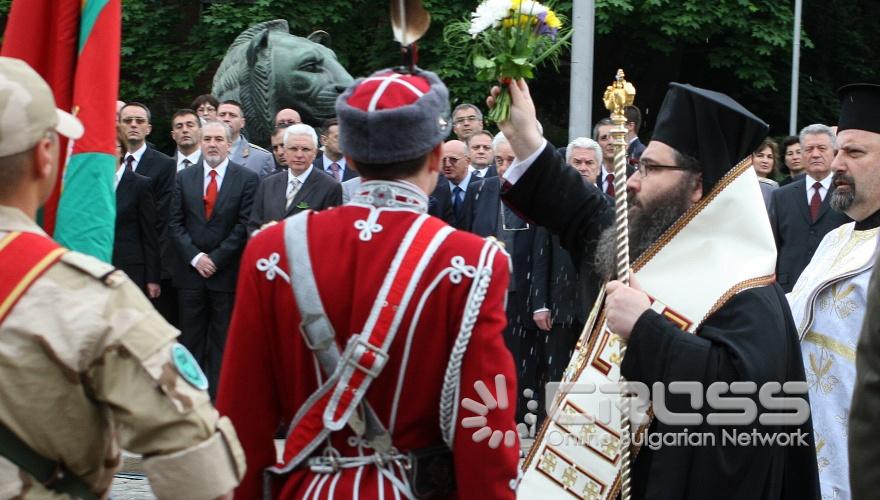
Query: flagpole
[795, 68]
[583, 24]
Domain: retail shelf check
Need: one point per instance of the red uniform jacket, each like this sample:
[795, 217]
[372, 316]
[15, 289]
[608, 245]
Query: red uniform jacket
[268, 371]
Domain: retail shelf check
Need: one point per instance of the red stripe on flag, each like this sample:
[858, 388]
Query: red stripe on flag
[45, 34]
[97, 83]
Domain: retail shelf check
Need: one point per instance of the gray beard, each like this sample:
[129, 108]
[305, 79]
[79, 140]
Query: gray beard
[646, 224]
[840, 200]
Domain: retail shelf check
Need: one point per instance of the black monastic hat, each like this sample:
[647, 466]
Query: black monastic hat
[859, 107]
[710, 126]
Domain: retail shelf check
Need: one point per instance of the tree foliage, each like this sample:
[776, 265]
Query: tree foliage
[171, 48]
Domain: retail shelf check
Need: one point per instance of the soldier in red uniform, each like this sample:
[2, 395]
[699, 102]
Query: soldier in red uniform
[373, 330]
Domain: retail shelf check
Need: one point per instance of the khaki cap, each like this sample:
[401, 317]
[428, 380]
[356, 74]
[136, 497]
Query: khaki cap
[27, 109]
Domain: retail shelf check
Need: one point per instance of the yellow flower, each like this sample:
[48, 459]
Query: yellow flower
[524, 21]
[552, 21]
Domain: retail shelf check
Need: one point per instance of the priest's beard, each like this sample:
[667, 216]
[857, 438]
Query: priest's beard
[843, 198]
[647, 222]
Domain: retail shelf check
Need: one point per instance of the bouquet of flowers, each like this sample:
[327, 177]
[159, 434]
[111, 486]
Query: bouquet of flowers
[509, 39]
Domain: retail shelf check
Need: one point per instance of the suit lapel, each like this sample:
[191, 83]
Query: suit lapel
[122, 188]
[276, 196]
[803, 203]
[195, 189]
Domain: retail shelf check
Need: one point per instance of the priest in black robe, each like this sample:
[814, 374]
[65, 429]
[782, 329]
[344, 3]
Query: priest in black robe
[700, 135]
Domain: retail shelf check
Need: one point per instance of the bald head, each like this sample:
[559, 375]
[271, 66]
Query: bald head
[455, 160]
[287, 117]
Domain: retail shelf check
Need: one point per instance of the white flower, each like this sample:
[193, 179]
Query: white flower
[489, 13]
[531, 8]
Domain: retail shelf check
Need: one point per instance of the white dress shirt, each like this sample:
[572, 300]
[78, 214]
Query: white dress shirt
[519, 167]
[193, 159]
[301, 178]
[826, 185]
[118, 177]
[463, 185]
[340, 162]
[221, 173]
[137, 156]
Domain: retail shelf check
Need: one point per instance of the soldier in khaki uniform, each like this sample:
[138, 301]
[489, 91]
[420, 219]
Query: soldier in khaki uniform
[87, 366]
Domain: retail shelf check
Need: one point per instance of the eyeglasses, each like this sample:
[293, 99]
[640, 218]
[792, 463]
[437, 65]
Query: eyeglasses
[132, 119]
[206, 108]
[462, 119]
[452, 159]
[644, 169]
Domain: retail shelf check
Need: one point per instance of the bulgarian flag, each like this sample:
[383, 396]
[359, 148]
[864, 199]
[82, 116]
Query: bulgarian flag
[74, 45]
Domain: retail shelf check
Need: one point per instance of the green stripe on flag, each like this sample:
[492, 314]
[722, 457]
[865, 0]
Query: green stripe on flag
[90, 12]
[87, 210]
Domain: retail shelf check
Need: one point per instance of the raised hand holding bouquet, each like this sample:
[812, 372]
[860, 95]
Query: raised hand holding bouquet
[509, 38]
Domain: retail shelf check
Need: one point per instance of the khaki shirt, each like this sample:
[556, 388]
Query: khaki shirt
[86, 370]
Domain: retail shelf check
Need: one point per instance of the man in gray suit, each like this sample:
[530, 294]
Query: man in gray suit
[253, 157]
[300, 187]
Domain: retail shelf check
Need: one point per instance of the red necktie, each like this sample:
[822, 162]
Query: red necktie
[211, 194]
[815, 202]
[609, 186]
[129, 163]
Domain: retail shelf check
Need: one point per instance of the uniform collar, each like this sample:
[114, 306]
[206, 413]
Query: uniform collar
[391, 194]
[13, 219]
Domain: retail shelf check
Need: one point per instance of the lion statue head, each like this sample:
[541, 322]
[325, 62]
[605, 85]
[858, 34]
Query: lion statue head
[267, 69]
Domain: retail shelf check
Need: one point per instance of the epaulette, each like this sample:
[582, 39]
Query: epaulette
[101, 271]
[258, 148]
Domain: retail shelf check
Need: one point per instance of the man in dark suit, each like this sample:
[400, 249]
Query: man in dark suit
[633, 123]
[800, 212]
[331, 161]
[186, 130]
[602, 135]
[211, 205]
[481, 154]
[453, 184]
[300, 187]
[440, 201]
[135, 241]
[160, 169]
[485, 215]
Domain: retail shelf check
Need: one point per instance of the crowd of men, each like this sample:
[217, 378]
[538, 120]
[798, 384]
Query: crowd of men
[352, 272]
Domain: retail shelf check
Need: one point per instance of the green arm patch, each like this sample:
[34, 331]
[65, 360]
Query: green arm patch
[188, 368]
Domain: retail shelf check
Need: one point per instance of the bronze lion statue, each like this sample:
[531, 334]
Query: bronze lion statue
[267, 69]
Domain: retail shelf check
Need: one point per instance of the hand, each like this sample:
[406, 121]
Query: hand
[205, 266]
[521, 129]
[153, 290]
[624, 304]
[542, 319]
